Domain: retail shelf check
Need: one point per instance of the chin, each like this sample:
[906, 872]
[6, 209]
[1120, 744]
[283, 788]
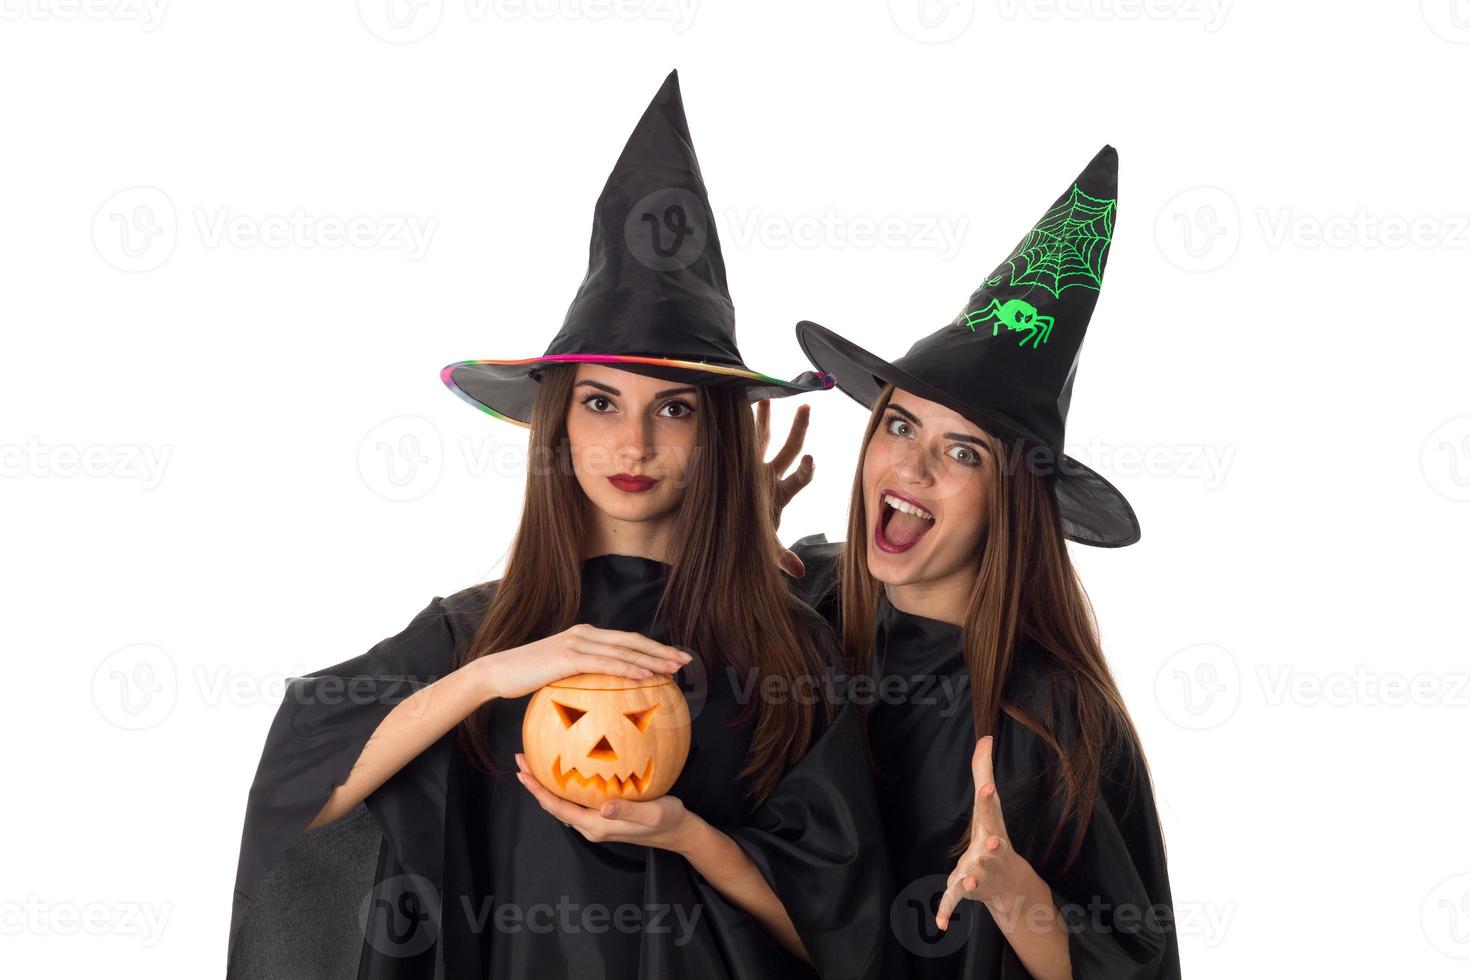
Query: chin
[893, 569]
[633, 508]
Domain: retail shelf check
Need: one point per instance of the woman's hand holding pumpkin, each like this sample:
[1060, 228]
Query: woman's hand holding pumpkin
[661, 823]
[579, 649]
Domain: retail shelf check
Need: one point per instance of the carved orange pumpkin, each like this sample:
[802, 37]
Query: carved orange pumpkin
[595, 737]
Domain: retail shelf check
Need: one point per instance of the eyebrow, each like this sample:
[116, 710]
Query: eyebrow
[961, 436]
[658, 394]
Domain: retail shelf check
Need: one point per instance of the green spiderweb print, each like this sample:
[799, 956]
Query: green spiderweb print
[1067, 246]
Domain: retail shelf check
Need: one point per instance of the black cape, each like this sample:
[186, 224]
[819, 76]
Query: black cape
[1115, 899]
[449, 871]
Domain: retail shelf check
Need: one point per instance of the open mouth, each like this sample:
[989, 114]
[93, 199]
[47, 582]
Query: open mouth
[901, 523]
[629, 785]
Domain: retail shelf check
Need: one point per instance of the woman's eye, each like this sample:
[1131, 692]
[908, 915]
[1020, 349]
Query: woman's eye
[600, 404]
[964, 454]
[897, 426]
[676, 410]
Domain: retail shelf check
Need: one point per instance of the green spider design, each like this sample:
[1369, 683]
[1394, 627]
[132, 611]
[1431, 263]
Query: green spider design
[1016, 314]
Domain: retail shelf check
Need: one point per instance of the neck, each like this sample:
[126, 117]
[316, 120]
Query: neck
[944, 599]
[645, 539]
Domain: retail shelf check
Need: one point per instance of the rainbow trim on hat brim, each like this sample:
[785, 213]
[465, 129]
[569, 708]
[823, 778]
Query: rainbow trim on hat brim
[447, 374]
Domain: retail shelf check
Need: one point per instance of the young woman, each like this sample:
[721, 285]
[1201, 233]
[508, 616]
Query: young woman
[1010, 774]
[644, 498]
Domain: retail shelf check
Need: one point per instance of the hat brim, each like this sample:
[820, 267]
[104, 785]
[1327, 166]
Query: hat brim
[1093, 511]
[507, 389]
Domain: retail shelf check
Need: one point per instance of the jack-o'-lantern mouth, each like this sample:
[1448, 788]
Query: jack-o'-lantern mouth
[614, 785]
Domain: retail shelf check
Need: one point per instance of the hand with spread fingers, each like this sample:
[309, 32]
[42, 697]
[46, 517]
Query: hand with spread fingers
[661, 823]
[990, 868]
[991, 872]
[784, 487]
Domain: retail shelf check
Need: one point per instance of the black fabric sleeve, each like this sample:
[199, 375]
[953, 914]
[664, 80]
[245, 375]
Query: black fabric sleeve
[817, 841]
[316, 737]
[818, 587]
[818, 838]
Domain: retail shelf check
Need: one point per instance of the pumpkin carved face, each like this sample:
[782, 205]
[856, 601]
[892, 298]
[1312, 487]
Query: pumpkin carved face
[591, 738]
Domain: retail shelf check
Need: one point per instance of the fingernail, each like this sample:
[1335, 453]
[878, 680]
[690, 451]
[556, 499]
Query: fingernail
[609, 810]
[687, 657]
[644, 672]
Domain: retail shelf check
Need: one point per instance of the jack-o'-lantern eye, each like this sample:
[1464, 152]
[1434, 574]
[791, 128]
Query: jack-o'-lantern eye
[640, 719]
[569, 714]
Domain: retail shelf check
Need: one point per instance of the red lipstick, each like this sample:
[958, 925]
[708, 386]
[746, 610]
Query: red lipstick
[629, 483]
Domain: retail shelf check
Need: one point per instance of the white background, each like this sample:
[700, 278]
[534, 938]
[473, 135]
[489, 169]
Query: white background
[228, 458]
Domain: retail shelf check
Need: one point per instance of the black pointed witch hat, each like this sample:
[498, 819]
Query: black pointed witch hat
[1007, 361]
[654, 299]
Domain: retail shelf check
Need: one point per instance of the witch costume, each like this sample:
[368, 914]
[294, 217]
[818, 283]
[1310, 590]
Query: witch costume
[449, 871]
[1006, 362]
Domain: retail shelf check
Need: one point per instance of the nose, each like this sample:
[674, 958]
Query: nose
[636, 438]
[912, 465]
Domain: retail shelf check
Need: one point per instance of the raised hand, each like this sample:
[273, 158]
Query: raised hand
[990, 869]
[782, 487]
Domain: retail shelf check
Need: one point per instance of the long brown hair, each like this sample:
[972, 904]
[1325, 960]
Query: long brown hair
[1027, 587]
[723, 544]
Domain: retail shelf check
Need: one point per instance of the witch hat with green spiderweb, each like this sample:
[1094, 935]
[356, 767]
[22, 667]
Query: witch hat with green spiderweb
[1008, 359]
[654, 299]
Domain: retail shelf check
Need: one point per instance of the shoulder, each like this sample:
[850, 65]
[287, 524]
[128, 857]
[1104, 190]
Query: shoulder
[428, 645]
[463, 610]
[818, 587]
[1040, 686]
